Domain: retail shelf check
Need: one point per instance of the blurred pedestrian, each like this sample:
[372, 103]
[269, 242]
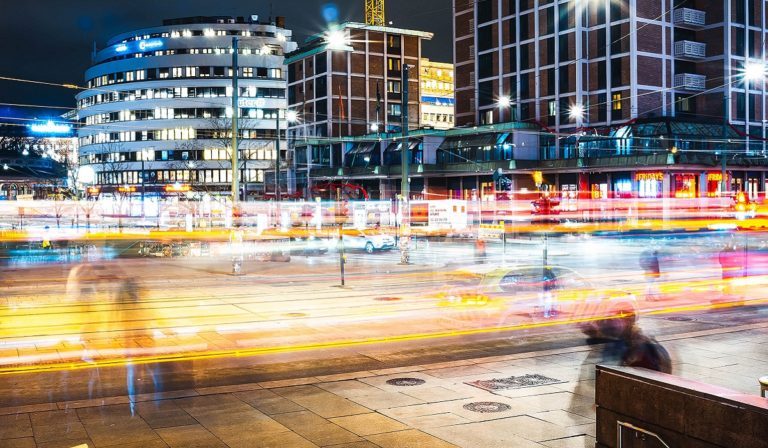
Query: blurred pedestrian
[108, 300]
[644, 351]
[546, 298]
[480, 251]
[649, 261]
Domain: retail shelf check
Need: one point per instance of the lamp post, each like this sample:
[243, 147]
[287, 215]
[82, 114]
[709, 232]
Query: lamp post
[405, 160]
[235, 149]
[752, 71]
[290, 117]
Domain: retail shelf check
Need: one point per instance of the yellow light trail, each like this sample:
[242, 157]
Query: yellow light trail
[118, 362]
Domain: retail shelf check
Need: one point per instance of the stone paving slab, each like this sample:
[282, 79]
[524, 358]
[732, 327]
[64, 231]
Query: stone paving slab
[423, 406]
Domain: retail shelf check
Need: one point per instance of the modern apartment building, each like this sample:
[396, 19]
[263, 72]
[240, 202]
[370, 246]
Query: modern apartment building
[614, 60]
[349, 82]
[158, 108]
[606, 79]
[437, 100]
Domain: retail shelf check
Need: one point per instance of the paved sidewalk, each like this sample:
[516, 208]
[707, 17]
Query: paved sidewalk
[422, 406]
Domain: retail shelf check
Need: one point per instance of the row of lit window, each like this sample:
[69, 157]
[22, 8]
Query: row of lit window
[164, 113]
[173, 134]
[179, 92]
[265, 152]
[208, 32]
[264, 50]
[437, 118]
[183, 72]
[167, 176]
[436, 85]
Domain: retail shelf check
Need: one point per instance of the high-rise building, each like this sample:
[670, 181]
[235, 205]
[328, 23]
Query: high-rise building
[437, 101]
[597, 63]
[349, 82]
[158, 108]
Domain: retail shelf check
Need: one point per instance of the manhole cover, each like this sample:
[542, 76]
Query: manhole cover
[486, 407]
[295, 315]
[514, 382]
[680, 319]
[387, 299]
[405, 381]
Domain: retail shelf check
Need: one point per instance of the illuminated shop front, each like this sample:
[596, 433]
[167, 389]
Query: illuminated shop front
[715, 184]
[684, 185]
[622, 185]
[598, 186]
[650, 184]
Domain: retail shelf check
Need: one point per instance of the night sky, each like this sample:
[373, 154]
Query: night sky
[51, 40]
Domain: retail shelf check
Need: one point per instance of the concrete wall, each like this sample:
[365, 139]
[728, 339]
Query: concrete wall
[683, 413]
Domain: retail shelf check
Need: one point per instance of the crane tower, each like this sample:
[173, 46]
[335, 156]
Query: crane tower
[374, 12]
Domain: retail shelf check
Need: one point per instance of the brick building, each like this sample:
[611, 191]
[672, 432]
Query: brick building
[349, 82]
[618, 59]
[618, 84]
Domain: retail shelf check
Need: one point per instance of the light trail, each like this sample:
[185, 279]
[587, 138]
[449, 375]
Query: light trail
[240, 353]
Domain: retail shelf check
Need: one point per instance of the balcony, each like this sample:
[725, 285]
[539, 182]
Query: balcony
[689, 18]
[691, 82]
[686, 49]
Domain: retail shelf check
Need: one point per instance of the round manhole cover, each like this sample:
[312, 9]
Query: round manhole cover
[405, 382]
[680, 319]
[486, 407]
[295, 315]
[387, 299]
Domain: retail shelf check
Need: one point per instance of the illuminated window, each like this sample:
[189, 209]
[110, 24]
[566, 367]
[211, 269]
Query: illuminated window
[393, 86]
[616, 101]
[248, 72]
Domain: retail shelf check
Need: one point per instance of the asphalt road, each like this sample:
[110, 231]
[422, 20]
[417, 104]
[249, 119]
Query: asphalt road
[194, 323]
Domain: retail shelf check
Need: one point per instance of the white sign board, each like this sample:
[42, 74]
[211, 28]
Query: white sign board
[449, 214]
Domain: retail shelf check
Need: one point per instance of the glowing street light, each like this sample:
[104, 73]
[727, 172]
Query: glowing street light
[754, 71]
[336, 40]
[576, 111]
[504, 102]
[86, 174]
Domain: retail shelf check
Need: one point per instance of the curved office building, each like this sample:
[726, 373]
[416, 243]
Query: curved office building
[158, 110]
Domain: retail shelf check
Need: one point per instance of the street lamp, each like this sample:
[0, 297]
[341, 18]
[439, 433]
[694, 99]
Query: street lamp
[576, 112]
[752, 71]
[336, 40]
[291, 117]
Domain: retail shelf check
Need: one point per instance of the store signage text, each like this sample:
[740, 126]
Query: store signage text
[649, 176]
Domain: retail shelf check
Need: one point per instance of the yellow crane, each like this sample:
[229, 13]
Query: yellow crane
[374, 12]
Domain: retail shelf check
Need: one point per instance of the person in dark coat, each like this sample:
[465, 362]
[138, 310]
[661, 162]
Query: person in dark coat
[649, 261]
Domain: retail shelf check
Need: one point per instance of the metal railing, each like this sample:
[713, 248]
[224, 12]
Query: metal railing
[644, 432]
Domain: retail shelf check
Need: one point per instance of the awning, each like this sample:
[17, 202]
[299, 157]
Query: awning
[362, 148]
[397, 146]
[468, 141]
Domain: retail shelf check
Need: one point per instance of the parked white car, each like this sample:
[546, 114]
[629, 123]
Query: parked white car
[367, 240]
